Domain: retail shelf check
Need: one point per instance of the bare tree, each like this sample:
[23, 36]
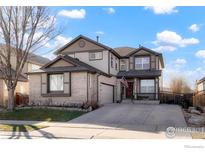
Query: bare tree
[179, 85]
[22, 30]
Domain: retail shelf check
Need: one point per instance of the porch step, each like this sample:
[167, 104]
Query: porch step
[141, 101]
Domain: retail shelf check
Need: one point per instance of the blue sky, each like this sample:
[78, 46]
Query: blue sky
[177, 32]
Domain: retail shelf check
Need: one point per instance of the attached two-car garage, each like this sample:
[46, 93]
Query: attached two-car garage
[106, 93]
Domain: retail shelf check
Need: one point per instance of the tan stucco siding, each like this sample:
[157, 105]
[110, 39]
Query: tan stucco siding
[154, 60]
[76, 47]
[113, 70]
[101, 64]
[61, 63]
[126, 63]
[78, 91]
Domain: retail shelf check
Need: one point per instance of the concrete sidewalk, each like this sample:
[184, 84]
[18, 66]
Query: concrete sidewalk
[89, 132]
[120, 121]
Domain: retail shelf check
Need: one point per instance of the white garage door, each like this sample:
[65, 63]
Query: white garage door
[106, 94]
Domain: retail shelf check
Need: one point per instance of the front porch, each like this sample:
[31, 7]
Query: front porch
[140, 90]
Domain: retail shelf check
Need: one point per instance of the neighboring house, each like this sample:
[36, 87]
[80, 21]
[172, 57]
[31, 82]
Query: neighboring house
[199, 95]
[86, 71]
[200, 86]
[33, 63]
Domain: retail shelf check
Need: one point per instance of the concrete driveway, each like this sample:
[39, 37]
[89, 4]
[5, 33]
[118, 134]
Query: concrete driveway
[135, 117]
[116, 121]
[136, 120]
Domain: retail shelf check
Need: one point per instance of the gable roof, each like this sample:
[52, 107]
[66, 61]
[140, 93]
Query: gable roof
[146, 49]
[21, 77]
[88, 39]
[78, 66]
[123, 51]
[36, 59]
[32, 58]
[201, 80]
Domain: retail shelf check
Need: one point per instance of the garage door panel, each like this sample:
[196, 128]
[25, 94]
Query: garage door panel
[106, 94]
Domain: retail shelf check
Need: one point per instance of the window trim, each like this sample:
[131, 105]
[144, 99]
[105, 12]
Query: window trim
[90, 59]
[125, 64]
[48, 84]
[112, 61]
[147, 79]
[142, 56]
[116, 63]
[203, 86]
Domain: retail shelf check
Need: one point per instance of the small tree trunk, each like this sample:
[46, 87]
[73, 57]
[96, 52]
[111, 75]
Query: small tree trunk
[11, 101]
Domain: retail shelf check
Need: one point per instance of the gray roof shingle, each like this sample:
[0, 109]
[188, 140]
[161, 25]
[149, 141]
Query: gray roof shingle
[36, 59]
[139, 73]
[78, 66]
[124, 51]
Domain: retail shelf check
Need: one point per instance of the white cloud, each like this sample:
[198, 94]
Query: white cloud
[165, 48]
[194, 28]
[100, 32]
[50, 55]
[200, 53]
[109, 10]
[61, 40]
[74, 14]
[170, 41]
[180, 61]
[162, 9]
[58, 42]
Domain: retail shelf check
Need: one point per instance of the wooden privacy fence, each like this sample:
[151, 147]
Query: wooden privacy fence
[22, 99]
[199, 99]
[185, 100]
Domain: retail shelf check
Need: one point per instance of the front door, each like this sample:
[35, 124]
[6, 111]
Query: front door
[129, 90]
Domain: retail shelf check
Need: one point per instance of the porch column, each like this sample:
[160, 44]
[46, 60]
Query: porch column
[135, 88]
[157, 88]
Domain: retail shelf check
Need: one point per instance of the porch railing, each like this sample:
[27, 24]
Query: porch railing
[145, 96]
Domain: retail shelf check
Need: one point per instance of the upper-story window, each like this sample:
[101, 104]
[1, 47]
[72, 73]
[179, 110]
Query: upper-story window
[116, 63]
[95, 55]
[201, 86]
[142, 63]
[123, 65]
[112, 61]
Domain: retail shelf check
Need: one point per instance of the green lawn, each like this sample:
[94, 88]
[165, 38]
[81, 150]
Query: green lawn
[41, 115]
[19, 128]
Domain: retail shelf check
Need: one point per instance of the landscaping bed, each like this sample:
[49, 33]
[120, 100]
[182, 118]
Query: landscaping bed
[20, 128]
[195, 119]
[41, 114]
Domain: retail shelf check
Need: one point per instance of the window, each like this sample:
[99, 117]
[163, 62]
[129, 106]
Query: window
[200, 87]
[123, 65]
[116, 63]
[112, 61]
[147, 86]
[56, 82]
[142, 63]
[95, 55]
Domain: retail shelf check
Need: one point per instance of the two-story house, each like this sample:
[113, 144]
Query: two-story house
[86, 71]
[199, 94]
[33, 63]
